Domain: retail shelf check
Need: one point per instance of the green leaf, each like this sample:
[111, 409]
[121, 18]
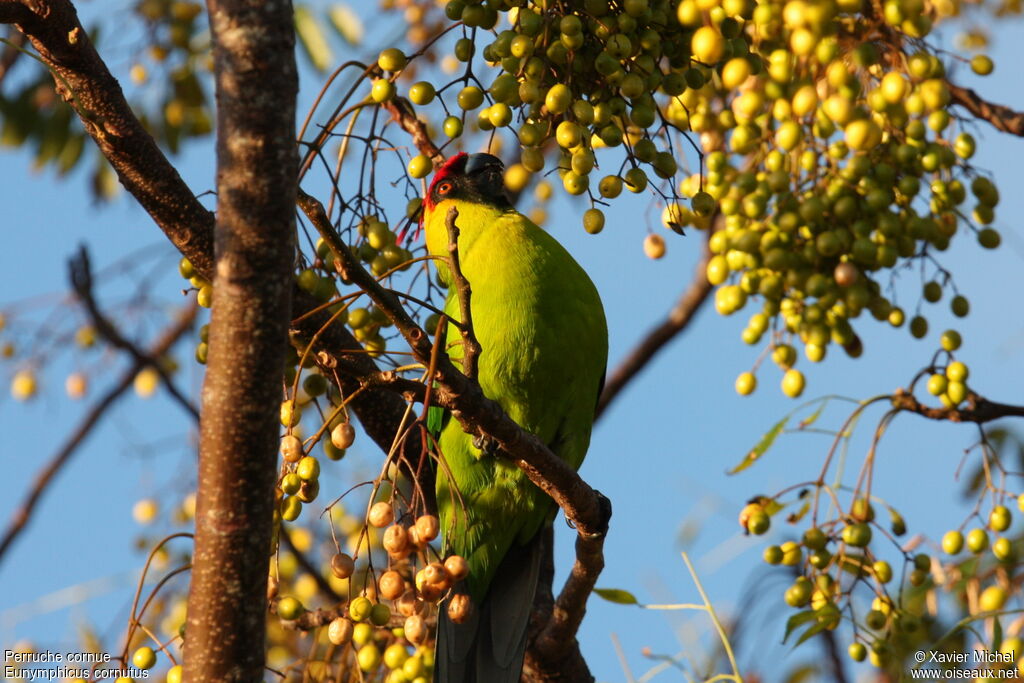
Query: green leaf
[71, 153]
[795, 517]
[813, 417]
[312, 38]
[617, 595]
[762, 446]
[796, 621]
[997, 634]
[810, 633]
[347, 23]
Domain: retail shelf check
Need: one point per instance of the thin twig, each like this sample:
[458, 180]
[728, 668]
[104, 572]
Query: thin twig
[46, 475]
[318, 576]
[977, 409]
[403, 114]
[81, 282]
[470, 345]
[12, 50]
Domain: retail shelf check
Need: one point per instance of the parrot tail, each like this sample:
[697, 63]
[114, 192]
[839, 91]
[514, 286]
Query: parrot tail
[489, 646]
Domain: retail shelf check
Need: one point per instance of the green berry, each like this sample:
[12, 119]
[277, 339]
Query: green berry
[593, 221]
[758, 523]
[452, 126]
[368, 657]
[380, 614]
[558, 98]
[857, 535]
[773, 554]
[703, 204]
[470, 98]
[982, 65]
[360, 609]
[918, 326]
[989, 238]
[392, 59]
[610, 186]
[815, 538]
[289, 608]
[422, 93]
[950, 340]
[308, 468]
[420, 166]
[205, 296]
[382, 91]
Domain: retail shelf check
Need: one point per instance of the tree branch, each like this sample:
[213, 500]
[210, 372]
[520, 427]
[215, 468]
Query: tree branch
[660, 335]
[156, 185]
[47, 474]
[403, 114]
[84, 81]
[978, 409]
[81, 282]
[1001, 117]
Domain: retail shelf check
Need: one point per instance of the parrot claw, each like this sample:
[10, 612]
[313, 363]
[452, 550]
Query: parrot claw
[605, 506]
[486, 445]
[604, 512]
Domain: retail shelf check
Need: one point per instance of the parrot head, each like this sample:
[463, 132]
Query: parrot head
[472, 178]
[475, 178]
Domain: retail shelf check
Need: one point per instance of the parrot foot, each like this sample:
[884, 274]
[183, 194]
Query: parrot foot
[604, 513]
[487, 445]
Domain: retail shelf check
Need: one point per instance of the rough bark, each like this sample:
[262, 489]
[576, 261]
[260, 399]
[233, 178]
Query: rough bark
[254, 247]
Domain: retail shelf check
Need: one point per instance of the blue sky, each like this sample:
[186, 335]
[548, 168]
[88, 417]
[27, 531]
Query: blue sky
[660, 453]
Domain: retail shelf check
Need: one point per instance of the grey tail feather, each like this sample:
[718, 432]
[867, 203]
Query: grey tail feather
[490, 645]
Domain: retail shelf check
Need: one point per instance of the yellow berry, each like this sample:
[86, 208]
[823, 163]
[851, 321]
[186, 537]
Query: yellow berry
[144, 658]
[746, 383]
[793, 383]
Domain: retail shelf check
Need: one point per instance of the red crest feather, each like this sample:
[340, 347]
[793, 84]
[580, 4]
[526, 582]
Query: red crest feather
[453, 166]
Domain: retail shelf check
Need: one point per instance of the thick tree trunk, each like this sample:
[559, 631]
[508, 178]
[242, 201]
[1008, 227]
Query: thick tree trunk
[257, 164]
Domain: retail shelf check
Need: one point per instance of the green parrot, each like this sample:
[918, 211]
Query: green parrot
[544, 346]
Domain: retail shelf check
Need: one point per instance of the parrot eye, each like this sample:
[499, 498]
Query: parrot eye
[444, 188]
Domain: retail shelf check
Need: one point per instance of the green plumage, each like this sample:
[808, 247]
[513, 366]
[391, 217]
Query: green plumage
[541, 326]
[544, 344]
